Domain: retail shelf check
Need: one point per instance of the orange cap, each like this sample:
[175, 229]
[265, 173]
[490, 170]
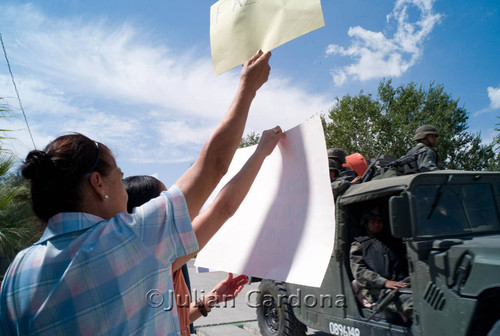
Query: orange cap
[357, 163]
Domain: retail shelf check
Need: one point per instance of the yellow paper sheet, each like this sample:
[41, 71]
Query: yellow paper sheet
[239, 28]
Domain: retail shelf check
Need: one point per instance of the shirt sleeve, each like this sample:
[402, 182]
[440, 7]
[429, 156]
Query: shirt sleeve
[427, 161]
[5, 321]
[164, 223]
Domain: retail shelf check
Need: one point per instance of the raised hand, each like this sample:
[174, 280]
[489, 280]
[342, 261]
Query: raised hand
[255, 71]
[269, 140]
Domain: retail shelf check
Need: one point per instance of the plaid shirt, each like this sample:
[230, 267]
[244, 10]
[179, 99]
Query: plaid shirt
[90, 276]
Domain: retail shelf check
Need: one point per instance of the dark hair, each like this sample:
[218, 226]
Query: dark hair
[57, 172]
[141, 189]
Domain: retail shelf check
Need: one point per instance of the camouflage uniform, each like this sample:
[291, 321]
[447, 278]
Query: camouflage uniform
[426, 157]
[368, 253]
[347, 174]
[344, 173]
[339, 187]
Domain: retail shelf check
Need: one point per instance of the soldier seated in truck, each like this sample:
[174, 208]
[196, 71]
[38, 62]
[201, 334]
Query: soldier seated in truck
[378, 266]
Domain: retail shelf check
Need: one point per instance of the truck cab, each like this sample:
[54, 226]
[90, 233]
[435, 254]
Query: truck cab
[449, 224]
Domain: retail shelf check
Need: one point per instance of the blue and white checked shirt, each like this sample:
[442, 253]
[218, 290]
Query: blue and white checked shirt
[90, 276]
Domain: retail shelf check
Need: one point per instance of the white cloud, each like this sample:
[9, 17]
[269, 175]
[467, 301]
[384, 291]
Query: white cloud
[494, 95]
[120, 86]
[377, 55]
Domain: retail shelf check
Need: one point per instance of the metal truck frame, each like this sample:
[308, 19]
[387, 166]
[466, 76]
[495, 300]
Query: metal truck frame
[449, 222]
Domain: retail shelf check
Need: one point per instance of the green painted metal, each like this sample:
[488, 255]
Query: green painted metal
[450, 224]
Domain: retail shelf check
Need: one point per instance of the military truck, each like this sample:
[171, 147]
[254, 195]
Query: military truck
[449, 223]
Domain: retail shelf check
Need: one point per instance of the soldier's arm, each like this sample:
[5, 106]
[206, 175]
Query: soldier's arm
[427, 161]
[360, 270]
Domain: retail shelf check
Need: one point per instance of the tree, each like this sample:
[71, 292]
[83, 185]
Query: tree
[496, 143]
[19, 227]
[496, 140]
[354, 120]
[250, 140]
[4, 113]
[387, 124]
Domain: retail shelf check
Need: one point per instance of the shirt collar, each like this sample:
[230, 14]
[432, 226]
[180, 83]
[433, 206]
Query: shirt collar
[66, 222]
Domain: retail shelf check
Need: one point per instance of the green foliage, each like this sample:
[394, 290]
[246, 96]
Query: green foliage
[250, 140]
[495, 164]
[496, 140]
[19, 227]
[4, 113]
[387, 125]
[353, 121]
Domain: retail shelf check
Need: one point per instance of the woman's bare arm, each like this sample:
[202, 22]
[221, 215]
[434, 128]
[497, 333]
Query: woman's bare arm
[203, 176]
[206, 224]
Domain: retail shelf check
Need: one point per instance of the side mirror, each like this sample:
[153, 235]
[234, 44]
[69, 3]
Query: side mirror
[400, 216]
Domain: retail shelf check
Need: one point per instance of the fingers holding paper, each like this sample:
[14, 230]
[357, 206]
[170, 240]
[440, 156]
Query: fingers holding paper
[269, 140]
[255, 71]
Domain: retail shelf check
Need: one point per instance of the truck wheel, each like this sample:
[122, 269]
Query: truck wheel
[274, 312]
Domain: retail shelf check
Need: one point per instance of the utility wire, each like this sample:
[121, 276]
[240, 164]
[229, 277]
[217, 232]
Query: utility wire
[17, 92]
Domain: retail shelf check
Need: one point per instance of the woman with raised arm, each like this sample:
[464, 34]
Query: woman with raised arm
[98, 270]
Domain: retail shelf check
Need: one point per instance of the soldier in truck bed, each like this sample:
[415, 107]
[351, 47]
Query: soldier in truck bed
[426, 156]
[344, 173]
[377, 267]
[340, 183]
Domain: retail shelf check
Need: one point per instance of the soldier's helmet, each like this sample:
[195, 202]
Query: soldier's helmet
[371, 213]
[332, 164]
[424, 131]
[336, 153]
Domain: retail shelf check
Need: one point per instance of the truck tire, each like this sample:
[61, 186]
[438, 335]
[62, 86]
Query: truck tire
[274, 313]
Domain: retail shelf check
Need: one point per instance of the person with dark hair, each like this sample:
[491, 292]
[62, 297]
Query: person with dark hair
[100, 270]
[140, 190]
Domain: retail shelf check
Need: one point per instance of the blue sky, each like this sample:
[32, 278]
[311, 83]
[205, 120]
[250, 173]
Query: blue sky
[138, 77]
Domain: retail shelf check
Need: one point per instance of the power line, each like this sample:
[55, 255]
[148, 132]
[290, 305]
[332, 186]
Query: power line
[17, 92]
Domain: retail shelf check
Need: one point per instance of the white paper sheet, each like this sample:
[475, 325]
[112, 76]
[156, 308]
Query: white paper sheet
[284, 229]
[239, 28]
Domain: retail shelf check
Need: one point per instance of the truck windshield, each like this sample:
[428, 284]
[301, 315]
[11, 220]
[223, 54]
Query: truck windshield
[455, 209]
